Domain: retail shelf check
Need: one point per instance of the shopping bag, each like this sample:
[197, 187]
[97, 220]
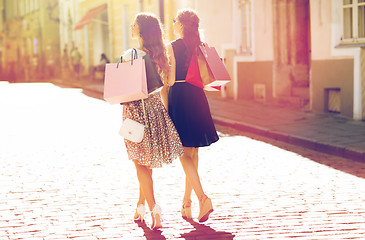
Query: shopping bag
[125, 81]
[213, 72]
[193, 74]
[206, 69]
[206, 74]
[153, 78]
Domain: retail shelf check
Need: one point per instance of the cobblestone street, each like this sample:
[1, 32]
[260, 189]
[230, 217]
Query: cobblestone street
[65, 174]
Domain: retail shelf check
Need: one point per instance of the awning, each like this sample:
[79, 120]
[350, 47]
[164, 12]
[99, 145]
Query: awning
[92, 13]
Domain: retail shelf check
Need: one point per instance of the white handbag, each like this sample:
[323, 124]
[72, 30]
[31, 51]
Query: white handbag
[133, 130]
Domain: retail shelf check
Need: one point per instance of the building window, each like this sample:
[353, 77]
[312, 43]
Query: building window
[27, 8]
[10, 9]
[245, 27]
[353, 24]
[21, 8]
[31, 5]
[36, 4]
[361, 18]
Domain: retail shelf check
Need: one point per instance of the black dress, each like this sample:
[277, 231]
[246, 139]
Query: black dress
[188, 106]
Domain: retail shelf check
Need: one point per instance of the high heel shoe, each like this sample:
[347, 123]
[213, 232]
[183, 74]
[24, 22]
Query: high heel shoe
[156, 217]
[206, 208]
[140, 212]
[186, 210]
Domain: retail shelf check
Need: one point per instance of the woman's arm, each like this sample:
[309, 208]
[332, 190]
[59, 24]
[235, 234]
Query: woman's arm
[172, 72]
[171, 77]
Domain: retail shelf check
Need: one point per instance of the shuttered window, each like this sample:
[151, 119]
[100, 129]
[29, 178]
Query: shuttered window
[353, 24]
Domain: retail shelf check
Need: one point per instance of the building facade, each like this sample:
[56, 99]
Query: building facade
[2, 40]
[297, 52]
[103, 26]
[44, 32]
[338, 63]
[30, 39]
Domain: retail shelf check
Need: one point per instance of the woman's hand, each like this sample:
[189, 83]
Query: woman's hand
[164, 96]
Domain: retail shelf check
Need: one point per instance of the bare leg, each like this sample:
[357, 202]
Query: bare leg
[191, 172]
[141, 199]
[144, 175]
[188, 186]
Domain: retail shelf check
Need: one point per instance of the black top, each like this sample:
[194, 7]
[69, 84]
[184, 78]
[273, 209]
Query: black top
[181, 58]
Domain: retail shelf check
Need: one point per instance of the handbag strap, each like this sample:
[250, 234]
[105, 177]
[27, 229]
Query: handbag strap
[144, 111]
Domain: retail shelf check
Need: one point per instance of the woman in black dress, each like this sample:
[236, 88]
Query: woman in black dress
[189, 110]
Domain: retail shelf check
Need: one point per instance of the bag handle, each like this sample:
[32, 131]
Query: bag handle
[121, 60]
[134, 56]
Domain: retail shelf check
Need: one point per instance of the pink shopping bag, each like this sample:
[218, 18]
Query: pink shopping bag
[125, 82]
[216, 68]
[193, 75]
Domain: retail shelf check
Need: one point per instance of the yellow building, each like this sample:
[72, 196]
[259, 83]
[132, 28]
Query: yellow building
[103, 26]
[2, 39]
[30, 39]
[11, 49]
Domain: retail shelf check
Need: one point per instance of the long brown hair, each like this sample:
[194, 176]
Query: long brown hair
[152, 42]
[190, 22]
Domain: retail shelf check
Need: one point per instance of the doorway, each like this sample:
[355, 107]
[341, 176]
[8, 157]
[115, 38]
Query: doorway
[291, 48]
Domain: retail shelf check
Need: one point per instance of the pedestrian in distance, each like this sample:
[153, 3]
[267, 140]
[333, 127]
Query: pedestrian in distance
[101, 66]
[103, 60]
[76, 61]
[189, 110]
[65, 63]
[161, 143]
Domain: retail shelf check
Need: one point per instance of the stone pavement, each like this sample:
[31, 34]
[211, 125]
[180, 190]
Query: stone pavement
[325, 132]
[64, 174]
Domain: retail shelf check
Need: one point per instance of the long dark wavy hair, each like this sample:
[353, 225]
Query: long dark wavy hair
[150, 31]
[190, 23]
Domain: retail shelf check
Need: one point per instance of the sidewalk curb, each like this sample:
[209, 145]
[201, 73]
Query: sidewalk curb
[339, 151]
[335, 150]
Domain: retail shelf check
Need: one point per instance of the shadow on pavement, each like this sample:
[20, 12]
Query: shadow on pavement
[203, 232]
[150, 234]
